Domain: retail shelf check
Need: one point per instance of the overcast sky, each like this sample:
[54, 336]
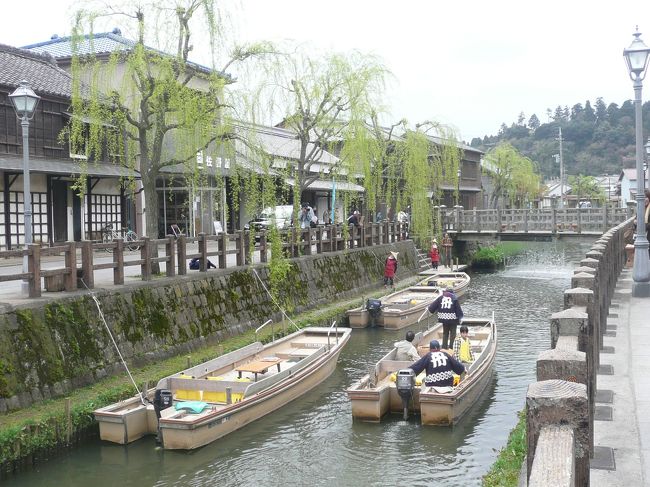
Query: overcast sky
[471, 64]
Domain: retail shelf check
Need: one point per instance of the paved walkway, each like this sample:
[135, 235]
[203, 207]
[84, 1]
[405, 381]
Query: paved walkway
[622, 426]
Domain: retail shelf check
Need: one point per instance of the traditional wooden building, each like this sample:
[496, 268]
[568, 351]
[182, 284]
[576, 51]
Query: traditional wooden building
[59, 214]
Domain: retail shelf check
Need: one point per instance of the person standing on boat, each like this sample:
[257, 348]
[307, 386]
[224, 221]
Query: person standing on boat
[434, 253]
[447, 244]
[439, 366]
[405, 348]
[390, 269]
[449, 314]
[462, 347]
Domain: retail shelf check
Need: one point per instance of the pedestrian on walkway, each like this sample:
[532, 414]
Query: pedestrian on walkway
[447, 245]
[390, 269]
[434, 253]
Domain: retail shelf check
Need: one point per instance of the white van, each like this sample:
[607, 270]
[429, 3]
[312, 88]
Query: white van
[279, 216]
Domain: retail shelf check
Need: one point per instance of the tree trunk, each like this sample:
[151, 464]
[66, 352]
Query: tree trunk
[149, 176]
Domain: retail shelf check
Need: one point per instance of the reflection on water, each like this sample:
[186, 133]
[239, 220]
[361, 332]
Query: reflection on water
[314, 440]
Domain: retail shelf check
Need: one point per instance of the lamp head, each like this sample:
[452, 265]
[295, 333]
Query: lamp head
[24, 100]
[636, 57]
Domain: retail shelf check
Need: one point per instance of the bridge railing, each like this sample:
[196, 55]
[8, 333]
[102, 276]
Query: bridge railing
[560, 406]
[547, 220]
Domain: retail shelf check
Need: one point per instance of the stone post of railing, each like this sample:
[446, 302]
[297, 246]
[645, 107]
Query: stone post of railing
[87, 274]
[558, 403]
[443, 218]
[526, 220]
[181, 250]
[34, 268]
[605, 226]
[145, 256]
[310, 232]
[498, 220]
[554, 458]
[553, 221]
[170, 266]
[564, 362]
[118, 261]
[459, 218]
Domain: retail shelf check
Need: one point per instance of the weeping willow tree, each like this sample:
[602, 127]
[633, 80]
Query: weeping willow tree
[404, 168]
[514, 177]
[586, 187]
[164, 107]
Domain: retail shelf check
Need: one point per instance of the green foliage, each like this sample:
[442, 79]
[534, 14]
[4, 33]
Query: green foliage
[586, 187]
[505, 471]
[488, 258]
[514, 176]
[598, 140]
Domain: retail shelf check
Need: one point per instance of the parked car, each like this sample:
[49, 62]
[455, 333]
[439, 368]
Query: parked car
[278, 216]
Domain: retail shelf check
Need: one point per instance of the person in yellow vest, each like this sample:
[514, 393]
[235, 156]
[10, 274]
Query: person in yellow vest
[462, 348]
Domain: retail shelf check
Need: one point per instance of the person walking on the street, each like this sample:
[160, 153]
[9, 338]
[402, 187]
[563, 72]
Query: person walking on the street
[434, 253]
[449, 314]
[390, 269]
[447, 244]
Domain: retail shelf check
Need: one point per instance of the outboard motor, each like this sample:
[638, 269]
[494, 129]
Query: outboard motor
[374, 310]
[162, 399]
[405, 384]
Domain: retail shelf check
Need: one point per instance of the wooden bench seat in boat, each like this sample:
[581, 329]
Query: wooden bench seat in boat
[211, 389]
[294, 353]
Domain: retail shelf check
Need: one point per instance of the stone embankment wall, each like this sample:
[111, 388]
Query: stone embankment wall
[51, 347]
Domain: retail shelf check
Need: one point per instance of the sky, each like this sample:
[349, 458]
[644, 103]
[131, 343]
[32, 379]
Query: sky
[470, 64]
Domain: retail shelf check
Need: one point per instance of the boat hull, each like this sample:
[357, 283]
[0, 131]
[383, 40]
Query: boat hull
[228, 399]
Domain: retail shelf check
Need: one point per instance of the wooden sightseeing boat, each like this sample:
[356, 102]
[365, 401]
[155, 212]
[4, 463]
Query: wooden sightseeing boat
[375, 394]
[458, 281]
[217, 397]
[403, 308]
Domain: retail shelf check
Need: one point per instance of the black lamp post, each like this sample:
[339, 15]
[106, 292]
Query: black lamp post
[25, 101]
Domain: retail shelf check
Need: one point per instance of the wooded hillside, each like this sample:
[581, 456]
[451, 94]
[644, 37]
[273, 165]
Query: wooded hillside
[597, 139]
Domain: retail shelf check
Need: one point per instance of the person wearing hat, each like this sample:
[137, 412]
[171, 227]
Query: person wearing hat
[405, 348]
[449, 314]
[355, 218]
[439, 366]
[434, 253]
[390, 269]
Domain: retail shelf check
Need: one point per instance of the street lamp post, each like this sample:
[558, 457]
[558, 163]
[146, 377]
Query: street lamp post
[645, 163]
[636, 58]
[25, 101]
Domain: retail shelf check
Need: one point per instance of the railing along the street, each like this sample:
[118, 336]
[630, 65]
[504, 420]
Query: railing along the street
[175, 253]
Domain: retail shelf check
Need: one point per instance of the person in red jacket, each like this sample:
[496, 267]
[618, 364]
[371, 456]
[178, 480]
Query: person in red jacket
[434, 253]
[390, 269]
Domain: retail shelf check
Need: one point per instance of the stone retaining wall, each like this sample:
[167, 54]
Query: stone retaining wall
[50, 348]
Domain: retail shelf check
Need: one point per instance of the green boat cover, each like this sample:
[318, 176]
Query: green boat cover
[191, 406]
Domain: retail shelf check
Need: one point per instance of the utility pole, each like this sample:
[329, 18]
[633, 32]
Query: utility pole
[561, 169]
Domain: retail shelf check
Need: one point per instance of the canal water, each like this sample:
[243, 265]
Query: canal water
[314, 441]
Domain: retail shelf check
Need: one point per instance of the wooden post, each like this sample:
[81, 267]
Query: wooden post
[34, 268]
[556, 403]
[498, 220]
[526, 220]
[203, 250]
[308, 240]
[146, 261]
[579, 220]
[222, 241]
[118, 261]
[264, 256]
[182, 255]
[70, 279]
[241, 248]
[170, 266]
[87, 274]
[553, 221]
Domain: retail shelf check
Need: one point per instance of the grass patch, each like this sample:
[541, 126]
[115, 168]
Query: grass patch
[493, 257]
[505, 470]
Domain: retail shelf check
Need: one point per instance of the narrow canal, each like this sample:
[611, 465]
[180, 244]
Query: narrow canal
[313, 441]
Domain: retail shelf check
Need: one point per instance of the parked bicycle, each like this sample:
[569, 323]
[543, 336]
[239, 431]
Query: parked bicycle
[130, 237]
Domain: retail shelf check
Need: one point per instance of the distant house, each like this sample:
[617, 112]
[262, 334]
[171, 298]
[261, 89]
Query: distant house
[627, 183]
[552, 193]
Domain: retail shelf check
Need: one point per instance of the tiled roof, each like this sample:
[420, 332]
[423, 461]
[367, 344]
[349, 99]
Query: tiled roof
[39, 70]
[67, 168]
[98, 44]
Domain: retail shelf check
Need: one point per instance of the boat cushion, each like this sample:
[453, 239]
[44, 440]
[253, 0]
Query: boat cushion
[191, 406]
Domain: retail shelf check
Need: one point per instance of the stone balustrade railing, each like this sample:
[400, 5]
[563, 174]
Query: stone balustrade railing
[560, 405]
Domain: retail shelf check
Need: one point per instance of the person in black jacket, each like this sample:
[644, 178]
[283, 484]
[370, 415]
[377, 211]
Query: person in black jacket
[439, 365]
[449, 314]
